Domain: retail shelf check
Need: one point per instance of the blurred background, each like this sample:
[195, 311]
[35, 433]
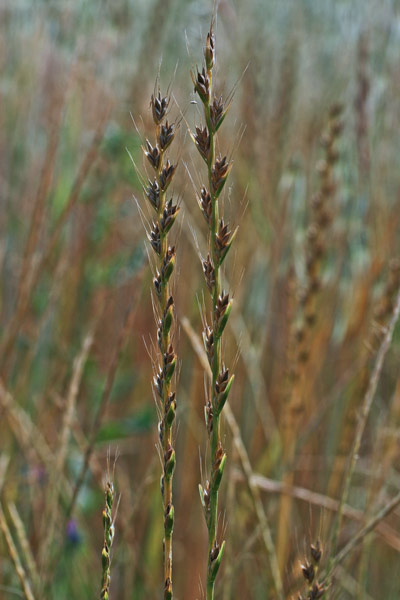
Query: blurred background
[77, 324]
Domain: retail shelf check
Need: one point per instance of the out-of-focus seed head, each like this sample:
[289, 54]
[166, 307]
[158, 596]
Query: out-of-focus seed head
[316, 592]
[308, 571]
[316, 551]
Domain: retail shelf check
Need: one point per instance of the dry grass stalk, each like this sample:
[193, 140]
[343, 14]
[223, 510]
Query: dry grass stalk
[358, 537]
[166, 213]
[385, 531]
[15, 557]
[382, 313]
[24, 545]
[52, 502]
[36, 266]
[220, 241]
[365, 410]
[104, 401]
[301, 343]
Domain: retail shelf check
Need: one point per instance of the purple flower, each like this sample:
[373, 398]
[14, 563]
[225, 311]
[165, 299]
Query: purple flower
[73, 535]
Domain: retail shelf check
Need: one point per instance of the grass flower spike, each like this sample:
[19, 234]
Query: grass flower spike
[165, 213]
[220, 240]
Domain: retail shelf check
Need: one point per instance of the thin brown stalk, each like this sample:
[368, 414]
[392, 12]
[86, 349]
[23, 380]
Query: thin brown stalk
[25, 431]
[104, 401]
[36, 266]
[386, 533]
[358, 537]
[365, 410]
[298, 401]
[24, 545]
[13, 552]
[52, 506]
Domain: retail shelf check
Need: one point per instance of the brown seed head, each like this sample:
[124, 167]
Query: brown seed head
[155, 238]
[206, 205]
[214, 551]
[209, 51]
[308, 571]
[202, 140]
[316, 551]
[317, 591]
[223, 237]
[166, 175]
[221, 306]
[217, 113]
[159, 107]
[166, 135]
[202, 85]
[219, 174]
[153, 155]
[222, 380]
[153, 194]
[209, 273]
[208, 337]
[169, 215]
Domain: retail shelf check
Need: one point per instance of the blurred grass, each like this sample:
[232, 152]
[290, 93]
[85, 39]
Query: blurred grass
[62, 65]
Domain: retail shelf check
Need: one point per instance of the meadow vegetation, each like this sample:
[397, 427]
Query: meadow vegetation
[179, 203]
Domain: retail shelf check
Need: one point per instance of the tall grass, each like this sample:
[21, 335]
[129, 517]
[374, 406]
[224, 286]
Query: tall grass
[77, 325]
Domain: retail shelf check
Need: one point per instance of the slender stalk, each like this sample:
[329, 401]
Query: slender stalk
[366, 407]
[220, 240]
[358, 537]
[166, 213]
[13, 552]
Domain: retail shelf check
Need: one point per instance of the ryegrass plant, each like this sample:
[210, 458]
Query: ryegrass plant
[72, 255]
[220, 239]
[166, 212]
